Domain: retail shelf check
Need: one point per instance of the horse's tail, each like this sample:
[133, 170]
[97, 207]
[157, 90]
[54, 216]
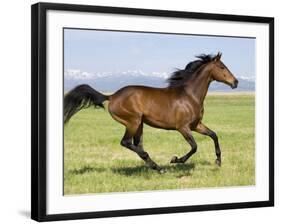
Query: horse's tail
[81, 97]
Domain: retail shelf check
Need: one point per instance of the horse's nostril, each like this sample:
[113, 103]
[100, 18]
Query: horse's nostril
[235, 84]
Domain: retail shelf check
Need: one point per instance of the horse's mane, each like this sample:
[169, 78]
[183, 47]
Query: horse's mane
[179, 77]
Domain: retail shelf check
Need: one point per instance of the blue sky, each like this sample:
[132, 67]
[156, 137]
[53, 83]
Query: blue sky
[107, 51]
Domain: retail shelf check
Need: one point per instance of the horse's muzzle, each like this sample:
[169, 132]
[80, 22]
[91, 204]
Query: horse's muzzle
[234, 84]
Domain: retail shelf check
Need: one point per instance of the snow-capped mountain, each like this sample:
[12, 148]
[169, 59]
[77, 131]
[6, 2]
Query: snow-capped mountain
[78, 74]
[112, 81]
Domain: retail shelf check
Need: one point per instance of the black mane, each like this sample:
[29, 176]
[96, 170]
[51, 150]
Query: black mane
[179, 77]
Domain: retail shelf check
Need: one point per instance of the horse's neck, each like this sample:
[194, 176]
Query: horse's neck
[199, 84]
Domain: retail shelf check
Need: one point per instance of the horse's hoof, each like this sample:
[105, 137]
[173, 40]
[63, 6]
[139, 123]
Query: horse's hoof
[162, 171]
[174, 159]
[218, 162]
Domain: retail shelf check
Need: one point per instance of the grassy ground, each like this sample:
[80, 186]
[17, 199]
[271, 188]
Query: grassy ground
[95, 162]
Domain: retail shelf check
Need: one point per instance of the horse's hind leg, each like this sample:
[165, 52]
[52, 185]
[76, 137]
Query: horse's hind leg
[202, 129]
[136, 133]
[138, 136]
[186, 132]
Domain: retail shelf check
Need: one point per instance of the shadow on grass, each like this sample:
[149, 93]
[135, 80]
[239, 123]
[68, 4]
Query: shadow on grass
[143, 169]
[85, 169]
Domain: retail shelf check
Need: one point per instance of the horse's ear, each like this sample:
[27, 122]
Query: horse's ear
[217, 57]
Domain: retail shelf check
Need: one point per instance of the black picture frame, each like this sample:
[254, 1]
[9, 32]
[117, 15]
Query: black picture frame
[39, 122]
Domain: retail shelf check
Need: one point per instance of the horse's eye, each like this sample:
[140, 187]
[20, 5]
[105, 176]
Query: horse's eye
[222, 67]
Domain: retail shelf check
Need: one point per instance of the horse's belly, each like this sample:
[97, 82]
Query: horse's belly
[159, 123]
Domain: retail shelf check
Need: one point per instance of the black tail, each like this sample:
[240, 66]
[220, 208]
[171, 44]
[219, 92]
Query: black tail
[80, 97]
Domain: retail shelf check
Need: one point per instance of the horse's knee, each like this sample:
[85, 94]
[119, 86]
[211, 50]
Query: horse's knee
[213, 135]
[194, 149]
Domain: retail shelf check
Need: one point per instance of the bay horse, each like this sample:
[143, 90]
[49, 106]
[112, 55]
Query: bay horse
[179, 106]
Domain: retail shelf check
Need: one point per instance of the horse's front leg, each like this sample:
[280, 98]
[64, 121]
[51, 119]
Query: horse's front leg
[202, 129]
[186, 132]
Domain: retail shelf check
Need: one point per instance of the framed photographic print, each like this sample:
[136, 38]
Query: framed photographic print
[140, 111]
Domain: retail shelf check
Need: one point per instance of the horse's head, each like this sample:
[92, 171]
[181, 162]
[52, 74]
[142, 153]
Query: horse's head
[221, 73]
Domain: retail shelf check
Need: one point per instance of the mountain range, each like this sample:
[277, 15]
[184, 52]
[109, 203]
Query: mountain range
[112, 81]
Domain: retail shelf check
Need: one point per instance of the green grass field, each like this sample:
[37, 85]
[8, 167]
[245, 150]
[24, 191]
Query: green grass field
[95, 162]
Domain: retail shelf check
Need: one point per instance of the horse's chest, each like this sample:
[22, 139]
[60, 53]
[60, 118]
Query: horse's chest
[197, 118]
[201, 112]
[197, 112]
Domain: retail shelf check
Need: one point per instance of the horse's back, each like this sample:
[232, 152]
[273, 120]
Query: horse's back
[136, 89]
[134, 95]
